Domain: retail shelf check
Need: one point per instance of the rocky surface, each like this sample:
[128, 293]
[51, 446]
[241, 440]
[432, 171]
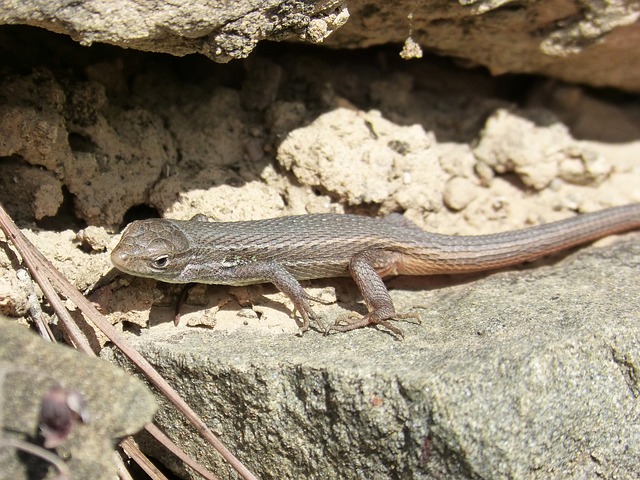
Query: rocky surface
[96, 137]
[115, 405]
[588, 42]
[219, 30]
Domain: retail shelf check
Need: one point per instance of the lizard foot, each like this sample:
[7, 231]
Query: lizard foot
[352, 323]
[308, 315]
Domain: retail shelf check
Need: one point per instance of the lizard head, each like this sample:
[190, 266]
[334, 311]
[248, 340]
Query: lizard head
[154, 248]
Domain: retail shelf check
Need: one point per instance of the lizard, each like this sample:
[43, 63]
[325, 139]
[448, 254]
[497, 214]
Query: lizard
[286, 250]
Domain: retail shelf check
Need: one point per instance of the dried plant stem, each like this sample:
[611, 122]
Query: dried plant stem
[166, 441]
[43, 271]
[123, 472]
[149, 468]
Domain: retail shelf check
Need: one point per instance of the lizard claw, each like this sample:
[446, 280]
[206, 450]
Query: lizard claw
[309, 315]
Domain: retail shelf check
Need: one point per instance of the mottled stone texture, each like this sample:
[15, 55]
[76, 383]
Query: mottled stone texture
[586, 41]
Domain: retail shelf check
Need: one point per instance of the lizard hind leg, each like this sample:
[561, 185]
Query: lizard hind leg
[364, 269]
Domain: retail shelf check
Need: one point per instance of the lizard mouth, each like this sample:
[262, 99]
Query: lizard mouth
[119, 258]
[123, 261]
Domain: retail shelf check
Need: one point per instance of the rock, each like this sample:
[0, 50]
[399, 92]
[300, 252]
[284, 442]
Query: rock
[505, 145]
[593, 43]
[115, 405]
[77, 143]
[221, 30]
[459, 192]
[365, 158]
[31, 186]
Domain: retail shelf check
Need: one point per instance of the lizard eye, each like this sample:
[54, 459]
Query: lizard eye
[161, 262]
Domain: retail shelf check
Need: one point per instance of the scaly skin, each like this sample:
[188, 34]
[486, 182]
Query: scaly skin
[288, 249]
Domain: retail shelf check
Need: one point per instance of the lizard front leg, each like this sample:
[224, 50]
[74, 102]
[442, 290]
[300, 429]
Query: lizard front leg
[367, 269]
[284, 281]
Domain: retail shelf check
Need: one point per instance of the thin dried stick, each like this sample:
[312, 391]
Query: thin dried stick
[134, 452]
[27, 253]
[166, 441]
[123, 473]
[35, 310]
[40, 267]
[82, 344]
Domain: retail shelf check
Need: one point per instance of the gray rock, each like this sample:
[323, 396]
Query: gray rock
[591, 42]
[116, 405]
[551, 39]
[221, 30]
[519, 374]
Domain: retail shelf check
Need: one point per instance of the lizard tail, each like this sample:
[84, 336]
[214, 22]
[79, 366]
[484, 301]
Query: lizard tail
[451, 254]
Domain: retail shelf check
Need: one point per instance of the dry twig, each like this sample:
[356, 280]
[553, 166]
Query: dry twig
[47, 277]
